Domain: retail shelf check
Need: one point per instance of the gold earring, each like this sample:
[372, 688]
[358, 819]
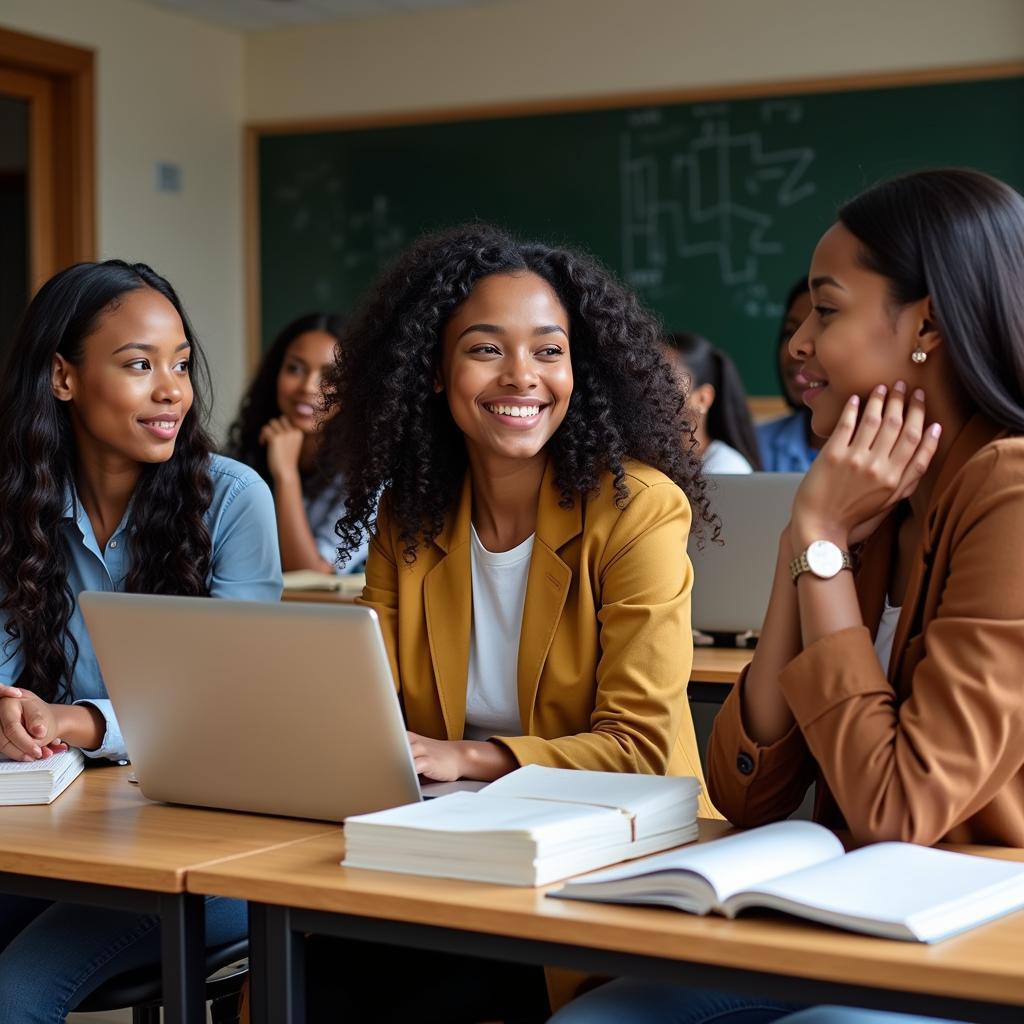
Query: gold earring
[919, 355]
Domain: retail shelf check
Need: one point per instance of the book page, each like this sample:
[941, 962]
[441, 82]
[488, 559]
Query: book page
[740, 861]
[51, 765]
[926, 893]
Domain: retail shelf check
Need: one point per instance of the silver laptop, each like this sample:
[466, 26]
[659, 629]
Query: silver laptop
[275, 708]
[733, 580]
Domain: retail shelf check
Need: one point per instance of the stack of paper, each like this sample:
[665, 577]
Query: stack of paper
[534, 826]
[39, 782]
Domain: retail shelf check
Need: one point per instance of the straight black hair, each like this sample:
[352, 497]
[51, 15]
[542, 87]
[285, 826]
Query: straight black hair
[956, 236]
[798, 288]
[729, 416]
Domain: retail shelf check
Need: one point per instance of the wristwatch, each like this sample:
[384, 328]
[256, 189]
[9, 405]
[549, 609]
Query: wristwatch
[823, 558]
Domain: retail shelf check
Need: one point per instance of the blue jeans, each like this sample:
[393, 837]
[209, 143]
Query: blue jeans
[52, 955]
[629, 1001]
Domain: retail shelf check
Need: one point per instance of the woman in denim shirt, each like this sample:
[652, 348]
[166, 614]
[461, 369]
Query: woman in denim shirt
[107, 482]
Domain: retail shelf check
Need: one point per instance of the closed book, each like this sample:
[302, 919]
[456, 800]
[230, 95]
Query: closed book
[534, 826]
[39, 782]
[891, 890]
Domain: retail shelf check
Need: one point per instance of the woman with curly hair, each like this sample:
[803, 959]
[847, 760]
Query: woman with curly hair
[107, 482]
[277, 432]
[512, 404]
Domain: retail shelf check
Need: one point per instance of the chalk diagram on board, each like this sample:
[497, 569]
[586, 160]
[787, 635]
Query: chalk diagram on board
[358, 236]
[705, 190]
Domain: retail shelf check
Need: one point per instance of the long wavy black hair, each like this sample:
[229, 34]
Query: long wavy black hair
[957, 236]
[728, 419]
[394, 433]
[170, 543]
[259, 403]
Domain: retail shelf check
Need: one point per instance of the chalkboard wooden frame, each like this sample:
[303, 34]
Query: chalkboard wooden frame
[745, 90]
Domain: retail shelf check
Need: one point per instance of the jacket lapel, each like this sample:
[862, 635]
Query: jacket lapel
[448, 605]
[547, 587]
[977, 432]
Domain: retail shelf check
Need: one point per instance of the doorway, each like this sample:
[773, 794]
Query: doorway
[47, 185]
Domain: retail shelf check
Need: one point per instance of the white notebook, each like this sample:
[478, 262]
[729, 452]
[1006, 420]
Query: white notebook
[39, 782]
[536, 825]
[892, 890]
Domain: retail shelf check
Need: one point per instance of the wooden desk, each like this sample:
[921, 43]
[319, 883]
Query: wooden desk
[719, 667]
[319, 596]
[300, 888]
[102, 842]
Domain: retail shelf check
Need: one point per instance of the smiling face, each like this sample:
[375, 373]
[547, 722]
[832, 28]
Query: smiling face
[129, 391]
[855, 337]
[298, 381]
[505, 366]
[789, 367]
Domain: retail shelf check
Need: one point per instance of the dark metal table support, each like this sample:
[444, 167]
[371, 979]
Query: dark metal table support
[279, 997]
[182, 926]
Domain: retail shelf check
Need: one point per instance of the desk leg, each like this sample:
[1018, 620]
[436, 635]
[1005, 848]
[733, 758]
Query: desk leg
[276, 966]
[183, 940]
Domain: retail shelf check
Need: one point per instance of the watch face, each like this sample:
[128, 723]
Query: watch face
[824, 558]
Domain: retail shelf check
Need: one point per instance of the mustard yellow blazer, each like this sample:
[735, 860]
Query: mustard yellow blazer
[605, 650]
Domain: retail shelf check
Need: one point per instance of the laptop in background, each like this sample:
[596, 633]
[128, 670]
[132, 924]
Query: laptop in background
[733, 580]
[283, 709]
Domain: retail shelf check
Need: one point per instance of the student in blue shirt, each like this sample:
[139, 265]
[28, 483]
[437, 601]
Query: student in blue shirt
[107, 482]
[277, 432]
[788, 444]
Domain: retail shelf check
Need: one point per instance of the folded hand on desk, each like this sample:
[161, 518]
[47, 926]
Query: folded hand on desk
[28, 726]
[31, 729]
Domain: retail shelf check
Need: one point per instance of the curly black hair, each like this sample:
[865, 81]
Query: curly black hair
[394, 433]
[170, 542]
[259, 404]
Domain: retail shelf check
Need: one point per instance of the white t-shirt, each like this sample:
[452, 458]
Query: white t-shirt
[499, 593]
[886, 634]
[720, 458]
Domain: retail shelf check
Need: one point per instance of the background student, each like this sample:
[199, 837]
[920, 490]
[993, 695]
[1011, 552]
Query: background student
[277, 432]
[896, 687]
[717, 401]
[107, 482]
[529, 563]
[787, 444]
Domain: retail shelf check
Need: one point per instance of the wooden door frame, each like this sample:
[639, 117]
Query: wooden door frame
[68, 218]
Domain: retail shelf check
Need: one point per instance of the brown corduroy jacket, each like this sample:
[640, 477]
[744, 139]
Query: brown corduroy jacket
[933, 750]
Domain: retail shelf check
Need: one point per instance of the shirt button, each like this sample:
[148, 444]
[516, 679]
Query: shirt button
[745, 764]
[113, 543]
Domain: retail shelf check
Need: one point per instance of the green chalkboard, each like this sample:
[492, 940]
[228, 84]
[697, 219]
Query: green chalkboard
[709, 210]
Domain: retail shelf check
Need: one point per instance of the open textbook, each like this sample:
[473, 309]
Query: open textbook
[536, 825]
[309, 579]
[893, 890]
[39, 782]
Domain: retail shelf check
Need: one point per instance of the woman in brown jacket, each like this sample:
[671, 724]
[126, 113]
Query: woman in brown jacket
[896, 686]
[528, 562]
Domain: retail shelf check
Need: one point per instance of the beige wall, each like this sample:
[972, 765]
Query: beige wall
[537, 49]
[168, 88]
[173, 88]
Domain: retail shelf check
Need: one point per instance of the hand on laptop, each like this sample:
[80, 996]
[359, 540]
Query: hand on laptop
[449, 760]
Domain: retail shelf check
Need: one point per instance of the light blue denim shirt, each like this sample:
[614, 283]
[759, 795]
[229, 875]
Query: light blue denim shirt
[784, 447]
[245, 565]
[323, 512]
